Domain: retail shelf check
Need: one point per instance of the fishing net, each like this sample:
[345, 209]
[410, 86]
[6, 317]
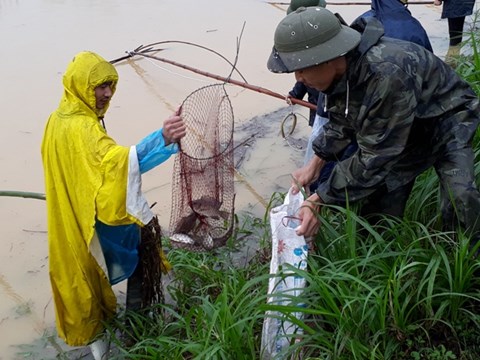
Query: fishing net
[203, 197]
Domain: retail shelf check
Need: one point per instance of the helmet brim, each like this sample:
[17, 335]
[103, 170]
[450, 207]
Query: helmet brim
[286, 62]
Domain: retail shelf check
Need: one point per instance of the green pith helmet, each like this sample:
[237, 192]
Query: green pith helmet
[308, 37]
[295, 4]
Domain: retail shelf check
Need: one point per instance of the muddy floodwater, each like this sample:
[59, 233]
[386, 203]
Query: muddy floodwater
[37, 40]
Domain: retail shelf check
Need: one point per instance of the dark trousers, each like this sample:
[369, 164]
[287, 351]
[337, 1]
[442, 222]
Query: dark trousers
[459, 195]
[455, 30]
[134, 289]
[386, 202]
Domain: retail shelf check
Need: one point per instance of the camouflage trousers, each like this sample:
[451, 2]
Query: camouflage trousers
[460, 198]
[459, 195]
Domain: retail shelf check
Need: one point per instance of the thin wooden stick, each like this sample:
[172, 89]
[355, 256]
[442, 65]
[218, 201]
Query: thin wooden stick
[24, 194]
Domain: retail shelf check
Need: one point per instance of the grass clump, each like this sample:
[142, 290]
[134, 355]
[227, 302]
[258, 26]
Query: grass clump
[395, 290]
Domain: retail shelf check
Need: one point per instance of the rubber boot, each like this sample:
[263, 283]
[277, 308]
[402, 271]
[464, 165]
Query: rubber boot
[453, 53]
[100, 349]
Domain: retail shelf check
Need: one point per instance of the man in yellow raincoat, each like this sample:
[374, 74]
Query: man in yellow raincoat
[95, 205]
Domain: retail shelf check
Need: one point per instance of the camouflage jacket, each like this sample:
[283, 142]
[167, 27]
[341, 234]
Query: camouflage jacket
[402, 105]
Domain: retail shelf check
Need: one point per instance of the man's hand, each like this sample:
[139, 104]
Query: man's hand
[288, 100]
[174, 128]
[307, 174]
[308, 215]
[437, 2]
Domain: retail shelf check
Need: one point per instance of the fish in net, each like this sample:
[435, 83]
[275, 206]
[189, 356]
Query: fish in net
[202, 214]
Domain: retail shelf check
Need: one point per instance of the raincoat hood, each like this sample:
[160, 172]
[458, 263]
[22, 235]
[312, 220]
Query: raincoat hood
[382, 6]
[372, 31]
[85, 72]
[397, 21]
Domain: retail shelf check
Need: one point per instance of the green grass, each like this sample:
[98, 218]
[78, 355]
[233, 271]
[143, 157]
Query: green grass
[468, 66]
[396, 290]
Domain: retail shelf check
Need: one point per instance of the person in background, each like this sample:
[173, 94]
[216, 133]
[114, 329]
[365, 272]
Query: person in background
[95, 206]
[455, 12]
[398, 22]
[299, 91]
[318, 117]
[406, 109]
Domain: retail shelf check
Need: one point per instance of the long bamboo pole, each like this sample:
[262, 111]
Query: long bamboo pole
[224, 79]
[355, 3]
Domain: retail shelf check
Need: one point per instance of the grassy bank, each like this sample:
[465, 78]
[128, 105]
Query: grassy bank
[402, 289]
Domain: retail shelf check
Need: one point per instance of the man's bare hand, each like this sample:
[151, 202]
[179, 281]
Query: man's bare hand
[307, 174]
[308, 215]
[174, 128]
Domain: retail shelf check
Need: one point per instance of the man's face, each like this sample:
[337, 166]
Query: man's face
[103, 94]
[319, 77]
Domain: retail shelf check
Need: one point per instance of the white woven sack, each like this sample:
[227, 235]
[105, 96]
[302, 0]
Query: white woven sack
[287, 248]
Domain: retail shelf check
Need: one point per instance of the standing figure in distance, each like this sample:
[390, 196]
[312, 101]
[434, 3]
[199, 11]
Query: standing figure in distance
[455, 12]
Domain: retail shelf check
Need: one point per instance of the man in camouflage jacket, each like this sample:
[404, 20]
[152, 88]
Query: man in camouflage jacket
[406, 109]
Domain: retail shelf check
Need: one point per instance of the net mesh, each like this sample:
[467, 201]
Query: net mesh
[203, 197]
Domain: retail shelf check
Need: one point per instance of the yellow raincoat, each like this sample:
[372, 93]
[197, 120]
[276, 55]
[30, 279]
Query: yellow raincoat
[87, 176]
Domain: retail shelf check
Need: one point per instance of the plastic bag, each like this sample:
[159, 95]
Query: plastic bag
[287, 248]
